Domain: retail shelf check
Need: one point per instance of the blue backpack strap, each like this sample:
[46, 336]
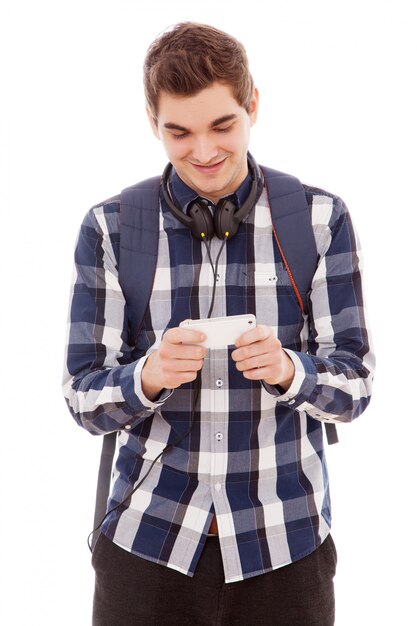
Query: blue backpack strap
[103, 483]
[139, 236]
[293, 231]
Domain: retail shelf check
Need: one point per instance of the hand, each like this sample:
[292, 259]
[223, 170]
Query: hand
[174, 363]
[259, 356]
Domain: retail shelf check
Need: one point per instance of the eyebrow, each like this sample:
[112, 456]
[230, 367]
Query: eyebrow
[214, 123]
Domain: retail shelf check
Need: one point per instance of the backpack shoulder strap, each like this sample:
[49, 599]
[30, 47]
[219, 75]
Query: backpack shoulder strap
[293, 231]
[139, 236]
[103, 482]
[294, 235]
[139, 231]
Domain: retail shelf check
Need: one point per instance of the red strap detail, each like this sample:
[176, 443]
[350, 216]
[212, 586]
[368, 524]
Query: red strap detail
[294, 286]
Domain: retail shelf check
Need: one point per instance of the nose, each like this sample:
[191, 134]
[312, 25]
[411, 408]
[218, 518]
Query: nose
[204, 150]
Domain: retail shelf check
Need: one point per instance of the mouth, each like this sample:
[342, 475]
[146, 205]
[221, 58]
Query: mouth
[209, 169]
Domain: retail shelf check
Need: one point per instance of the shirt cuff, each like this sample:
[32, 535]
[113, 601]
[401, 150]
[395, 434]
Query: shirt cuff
[304, 381]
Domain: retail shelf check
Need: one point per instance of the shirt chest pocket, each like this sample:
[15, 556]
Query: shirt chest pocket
[266, 279]
[273, 282]
[276, 303]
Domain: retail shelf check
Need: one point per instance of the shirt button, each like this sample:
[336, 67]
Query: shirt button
[219, 382]
[219, 436]
[291, 402]
[128, 427]
[217, 487]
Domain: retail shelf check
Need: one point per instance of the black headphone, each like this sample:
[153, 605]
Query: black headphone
[227, 216]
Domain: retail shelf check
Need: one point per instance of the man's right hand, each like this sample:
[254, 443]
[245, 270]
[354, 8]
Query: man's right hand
[174, 363]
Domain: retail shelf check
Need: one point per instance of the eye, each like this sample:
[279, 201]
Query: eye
[181, 136]
[223, 129]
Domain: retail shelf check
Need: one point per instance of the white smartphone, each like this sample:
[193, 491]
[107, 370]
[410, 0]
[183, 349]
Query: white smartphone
[221, 331]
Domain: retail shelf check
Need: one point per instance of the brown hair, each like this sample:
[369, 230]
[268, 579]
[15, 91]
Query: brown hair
[191, 57]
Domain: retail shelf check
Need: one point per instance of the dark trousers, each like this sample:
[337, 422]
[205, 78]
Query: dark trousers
[131, 591]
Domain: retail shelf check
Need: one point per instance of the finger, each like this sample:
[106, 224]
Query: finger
[184, 335]
[247, 352]
[185, 365]
[260, 333]
[172, 355]
[176, 379]
[255, 362]
[183, 351]
[258, 348]
[259, 373]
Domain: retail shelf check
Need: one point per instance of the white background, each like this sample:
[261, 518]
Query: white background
[338, 106]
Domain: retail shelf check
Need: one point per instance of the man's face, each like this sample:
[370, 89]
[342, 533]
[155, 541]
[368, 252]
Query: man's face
[206, 138]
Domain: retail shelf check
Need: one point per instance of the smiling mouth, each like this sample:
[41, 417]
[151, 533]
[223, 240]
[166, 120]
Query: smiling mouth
[209, 169]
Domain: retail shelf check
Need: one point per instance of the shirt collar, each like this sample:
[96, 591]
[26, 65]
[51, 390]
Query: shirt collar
[183, 194]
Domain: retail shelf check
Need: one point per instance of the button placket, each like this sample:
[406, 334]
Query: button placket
[219, 365]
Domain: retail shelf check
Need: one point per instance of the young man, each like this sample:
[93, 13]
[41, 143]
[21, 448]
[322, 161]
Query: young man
[231, 524]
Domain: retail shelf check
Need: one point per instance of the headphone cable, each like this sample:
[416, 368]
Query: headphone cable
[214, 267]
[197, 389]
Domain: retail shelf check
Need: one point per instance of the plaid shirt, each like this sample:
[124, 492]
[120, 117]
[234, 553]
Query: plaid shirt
[254, 456]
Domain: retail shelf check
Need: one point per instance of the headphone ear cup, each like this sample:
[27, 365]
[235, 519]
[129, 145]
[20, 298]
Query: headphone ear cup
[225, 224]
[201, 221]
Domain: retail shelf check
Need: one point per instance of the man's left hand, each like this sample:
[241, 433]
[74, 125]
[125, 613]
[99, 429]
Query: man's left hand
[259, 356]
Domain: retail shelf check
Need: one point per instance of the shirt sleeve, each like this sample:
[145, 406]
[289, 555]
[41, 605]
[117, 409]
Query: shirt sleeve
[102, 381]
[333, 378]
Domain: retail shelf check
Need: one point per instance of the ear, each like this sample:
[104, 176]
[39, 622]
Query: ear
[254, 106]
[153, 123]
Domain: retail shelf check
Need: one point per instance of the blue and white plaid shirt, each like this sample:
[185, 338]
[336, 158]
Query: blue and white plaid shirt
[254, 456]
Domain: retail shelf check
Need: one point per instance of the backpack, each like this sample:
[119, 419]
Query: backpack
[139, 233]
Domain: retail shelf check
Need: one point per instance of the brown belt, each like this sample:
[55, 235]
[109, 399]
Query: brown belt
[213, 530]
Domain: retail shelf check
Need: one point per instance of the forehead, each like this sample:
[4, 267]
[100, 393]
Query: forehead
[202, 109]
